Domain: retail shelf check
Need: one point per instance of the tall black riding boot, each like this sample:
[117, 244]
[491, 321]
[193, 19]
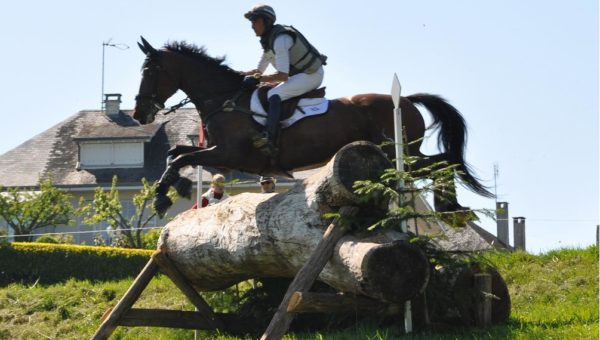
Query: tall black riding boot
[273, 120]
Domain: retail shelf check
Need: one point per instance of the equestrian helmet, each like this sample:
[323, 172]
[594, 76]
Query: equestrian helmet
[265, 11]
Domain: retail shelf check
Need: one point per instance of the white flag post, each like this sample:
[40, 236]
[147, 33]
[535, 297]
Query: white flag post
[399, 144]
[199, 191]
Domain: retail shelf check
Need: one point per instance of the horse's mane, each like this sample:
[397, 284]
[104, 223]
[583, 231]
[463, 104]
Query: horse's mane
[198, 53]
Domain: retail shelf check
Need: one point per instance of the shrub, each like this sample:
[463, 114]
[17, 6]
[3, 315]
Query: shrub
[51, 263]
[150, 239]
[46, 239]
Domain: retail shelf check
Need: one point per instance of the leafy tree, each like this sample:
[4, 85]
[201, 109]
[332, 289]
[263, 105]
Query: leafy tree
[26, 211]
[107, 206]
[416, 182]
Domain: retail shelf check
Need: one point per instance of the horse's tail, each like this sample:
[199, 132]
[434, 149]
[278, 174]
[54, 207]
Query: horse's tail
[452, 136]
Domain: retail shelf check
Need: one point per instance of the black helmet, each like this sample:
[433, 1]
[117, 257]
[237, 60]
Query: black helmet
[264, 11]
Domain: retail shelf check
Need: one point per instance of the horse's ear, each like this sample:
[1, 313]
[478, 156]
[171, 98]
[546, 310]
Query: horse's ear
[149, 49]
[142, 48]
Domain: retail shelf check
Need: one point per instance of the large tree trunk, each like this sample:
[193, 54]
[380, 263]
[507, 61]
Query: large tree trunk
[272, 235]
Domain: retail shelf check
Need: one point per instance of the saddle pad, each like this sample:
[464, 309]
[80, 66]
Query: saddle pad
[306, 107]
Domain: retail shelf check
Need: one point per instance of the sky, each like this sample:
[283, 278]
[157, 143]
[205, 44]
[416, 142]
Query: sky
[524, 74]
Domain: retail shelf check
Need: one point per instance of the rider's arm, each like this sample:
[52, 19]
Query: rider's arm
[265, 60]
[281, 46]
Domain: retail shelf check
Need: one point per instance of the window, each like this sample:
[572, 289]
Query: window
[114, 154]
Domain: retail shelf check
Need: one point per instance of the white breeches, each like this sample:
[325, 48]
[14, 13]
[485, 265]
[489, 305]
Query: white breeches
[298, 84]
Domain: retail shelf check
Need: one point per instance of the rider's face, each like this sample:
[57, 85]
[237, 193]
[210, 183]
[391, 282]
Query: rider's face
[258, 25]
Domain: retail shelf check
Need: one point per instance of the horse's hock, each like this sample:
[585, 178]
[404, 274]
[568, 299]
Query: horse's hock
[272, 235]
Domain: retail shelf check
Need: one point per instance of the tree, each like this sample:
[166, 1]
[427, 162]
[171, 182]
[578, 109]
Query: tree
[107, 206]
[26, 211]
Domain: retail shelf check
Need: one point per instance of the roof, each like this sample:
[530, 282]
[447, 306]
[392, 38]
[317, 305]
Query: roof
[470, 237]
[54, 152]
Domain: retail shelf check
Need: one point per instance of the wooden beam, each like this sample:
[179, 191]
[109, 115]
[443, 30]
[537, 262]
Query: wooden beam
[307, 275]
[138, 317]
[483, 301]
[307, 302]
[111, 321]
[169, 269]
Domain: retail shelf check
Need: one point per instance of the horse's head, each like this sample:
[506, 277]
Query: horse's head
[158, 84]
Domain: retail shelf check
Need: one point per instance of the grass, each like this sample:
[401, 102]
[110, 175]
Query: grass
[554, 296]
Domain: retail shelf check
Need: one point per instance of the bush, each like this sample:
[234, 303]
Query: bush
[150, 239]
[3, 241]
[46, 239]
[52, 263]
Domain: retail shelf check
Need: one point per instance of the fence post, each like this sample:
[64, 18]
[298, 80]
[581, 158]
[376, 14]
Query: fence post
[483, 302]
[502, 222]
[519, 232]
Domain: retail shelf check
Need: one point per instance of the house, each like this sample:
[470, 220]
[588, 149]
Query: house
[86, 150]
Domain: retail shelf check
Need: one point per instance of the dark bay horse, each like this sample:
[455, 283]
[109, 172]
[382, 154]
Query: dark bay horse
[311, 142]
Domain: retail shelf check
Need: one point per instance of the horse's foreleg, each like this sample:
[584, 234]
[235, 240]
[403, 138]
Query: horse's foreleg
[171, 177]
[212, 157]
[177, 150]
[206, 157]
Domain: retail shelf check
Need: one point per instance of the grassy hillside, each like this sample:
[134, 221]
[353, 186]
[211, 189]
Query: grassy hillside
[554, 296]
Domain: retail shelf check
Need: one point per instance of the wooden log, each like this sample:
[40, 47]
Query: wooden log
[483, 300]
[307, 302]
[459, 294]
[272, 235]
[109, 324]
[307, 275]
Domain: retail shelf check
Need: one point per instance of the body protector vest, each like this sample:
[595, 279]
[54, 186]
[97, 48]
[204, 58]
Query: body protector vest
[304, 57]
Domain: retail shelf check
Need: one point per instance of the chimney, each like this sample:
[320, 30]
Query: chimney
[112, 103]
[502, 222]
[519, 232]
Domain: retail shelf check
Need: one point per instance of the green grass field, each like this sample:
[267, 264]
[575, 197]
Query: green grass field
[554, 296]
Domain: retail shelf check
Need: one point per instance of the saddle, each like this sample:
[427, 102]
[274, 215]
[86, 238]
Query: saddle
[288, 106]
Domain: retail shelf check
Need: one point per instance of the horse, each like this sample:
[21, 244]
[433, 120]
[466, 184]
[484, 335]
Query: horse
[223, 103]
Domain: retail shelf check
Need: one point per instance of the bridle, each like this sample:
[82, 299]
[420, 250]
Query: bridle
[150, 72]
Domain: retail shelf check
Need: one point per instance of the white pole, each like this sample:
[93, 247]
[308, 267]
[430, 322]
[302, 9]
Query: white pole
[199, 190]
[104, 44]
[199, 187]
[102, 95]
[399, 143]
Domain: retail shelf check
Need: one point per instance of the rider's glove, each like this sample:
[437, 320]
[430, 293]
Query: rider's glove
[250, 82]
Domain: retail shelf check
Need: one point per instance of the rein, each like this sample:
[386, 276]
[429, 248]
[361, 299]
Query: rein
[178, 106]
[230, 105]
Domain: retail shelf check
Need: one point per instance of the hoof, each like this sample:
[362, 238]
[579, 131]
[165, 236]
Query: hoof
[183, 186]
[161, 204]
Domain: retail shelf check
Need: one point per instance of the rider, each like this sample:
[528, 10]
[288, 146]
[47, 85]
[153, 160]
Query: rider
[298, 65]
